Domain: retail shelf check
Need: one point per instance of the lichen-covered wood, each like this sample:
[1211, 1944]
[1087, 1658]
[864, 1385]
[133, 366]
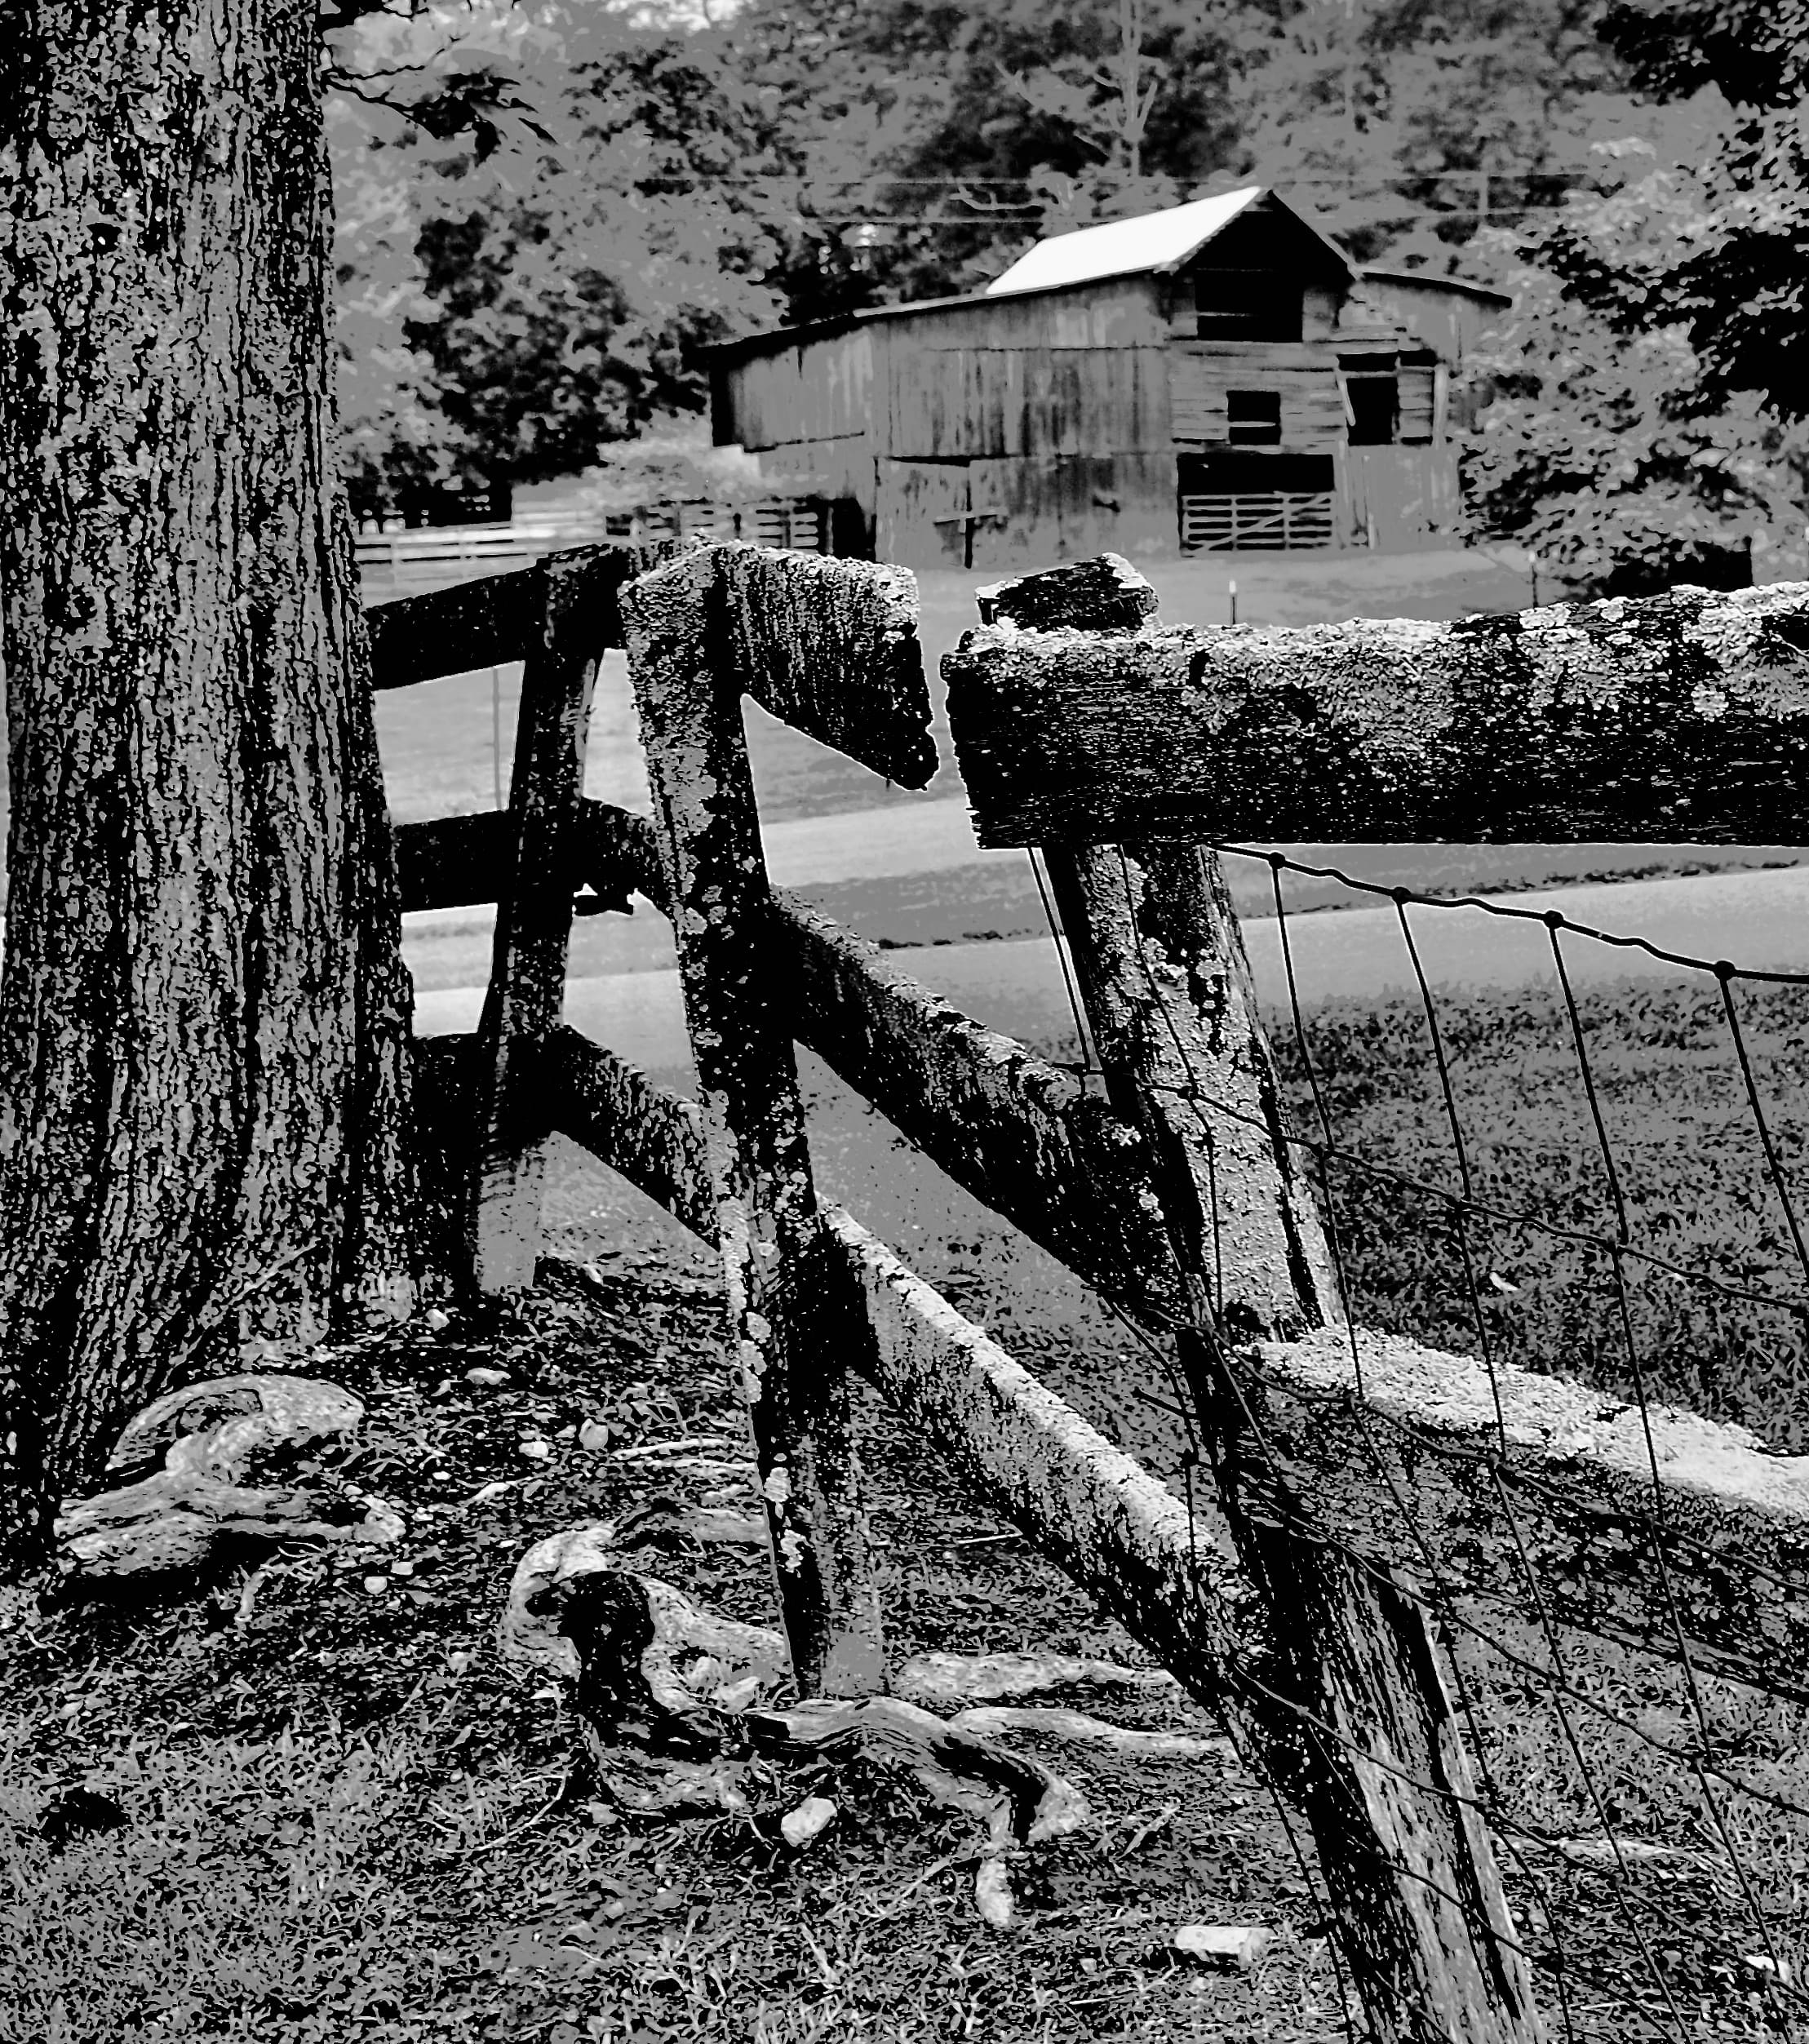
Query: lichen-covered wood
[1105, 594]
[1353, 1718]
[577, 617]
[1361, 1730]
[688, 657]
[1017, 1134]
[1437, 1436]
[457, 861]
[1173, 1012]
[1168, 1576]
[1423, 1429]
[483, 623]
[830, 647]
[637, 1126]
[1684, 716]
[491, 622]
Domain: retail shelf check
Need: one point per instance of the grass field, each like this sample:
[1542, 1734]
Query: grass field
[1691, 1173]
[346, 1818]
[342, 1816]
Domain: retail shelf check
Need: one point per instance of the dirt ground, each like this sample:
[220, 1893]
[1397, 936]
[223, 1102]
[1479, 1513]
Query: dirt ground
[529, 1907]
[360, 1821]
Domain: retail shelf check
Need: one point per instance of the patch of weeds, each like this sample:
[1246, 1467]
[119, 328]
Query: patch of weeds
[243, 1896]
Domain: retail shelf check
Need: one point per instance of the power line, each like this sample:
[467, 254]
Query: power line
[685, 180]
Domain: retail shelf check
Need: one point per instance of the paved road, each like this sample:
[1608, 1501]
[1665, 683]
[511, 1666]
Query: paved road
[1758, 919]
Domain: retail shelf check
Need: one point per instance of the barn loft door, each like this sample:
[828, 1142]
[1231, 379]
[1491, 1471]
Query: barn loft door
[923, 518]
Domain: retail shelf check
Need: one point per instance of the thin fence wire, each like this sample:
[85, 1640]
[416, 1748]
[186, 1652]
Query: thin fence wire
[1653, 1816]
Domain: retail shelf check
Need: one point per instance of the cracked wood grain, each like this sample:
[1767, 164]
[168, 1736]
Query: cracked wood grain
[574, 618]
[688, 646]
[1357, 1725]
[1436, 1429]
[1684, 716]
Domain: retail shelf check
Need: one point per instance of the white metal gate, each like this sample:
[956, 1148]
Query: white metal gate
[1272, 519]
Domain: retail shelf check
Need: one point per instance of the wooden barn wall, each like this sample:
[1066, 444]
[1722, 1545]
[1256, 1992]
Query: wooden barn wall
[1201, 374]
[968, 403]
[1122, 312]
[838, 468]
[1410, 493]
[1417, 384]
[815, 390]
[919, 519]
[1025, 511]
[1043, 512]
[1448, 322]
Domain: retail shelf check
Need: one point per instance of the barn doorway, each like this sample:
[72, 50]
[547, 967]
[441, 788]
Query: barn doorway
[1237, 502]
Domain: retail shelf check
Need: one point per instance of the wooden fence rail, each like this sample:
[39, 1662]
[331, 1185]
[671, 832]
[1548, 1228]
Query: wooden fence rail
[1302, 1618]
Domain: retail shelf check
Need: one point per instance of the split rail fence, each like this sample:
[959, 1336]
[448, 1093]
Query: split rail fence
[1364, 1486]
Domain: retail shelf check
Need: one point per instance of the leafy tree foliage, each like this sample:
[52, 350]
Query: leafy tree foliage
[1606, 453]
[579, 197]
[1738, 287]
[547, 216]
[1412, 126]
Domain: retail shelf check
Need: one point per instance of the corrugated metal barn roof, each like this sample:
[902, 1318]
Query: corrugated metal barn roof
[1156, 241]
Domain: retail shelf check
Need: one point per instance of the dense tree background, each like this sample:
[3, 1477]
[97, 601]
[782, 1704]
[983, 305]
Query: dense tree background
[1609, 450]
[1651, 409]
[543, 216]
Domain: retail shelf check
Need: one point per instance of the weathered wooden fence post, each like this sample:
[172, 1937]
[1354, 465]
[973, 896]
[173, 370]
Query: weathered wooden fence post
[533, 930]
[699, 631]
[1365, 1736]
[572, 617]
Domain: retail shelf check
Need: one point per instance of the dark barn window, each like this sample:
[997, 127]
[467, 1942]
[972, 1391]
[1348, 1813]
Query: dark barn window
[1373, 399]
[1246, 305]
[1254, 418]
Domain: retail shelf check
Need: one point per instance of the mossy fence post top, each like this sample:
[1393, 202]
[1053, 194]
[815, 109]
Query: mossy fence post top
[1679, 717]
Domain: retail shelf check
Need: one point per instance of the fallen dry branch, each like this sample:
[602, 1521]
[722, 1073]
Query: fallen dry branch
[938, 1678]
[988, 1720]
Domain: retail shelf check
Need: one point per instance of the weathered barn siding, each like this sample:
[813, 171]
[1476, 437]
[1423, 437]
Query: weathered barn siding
[945, 404]
[1398, 499]
[1120, 312]
[815, 389]
[1034, 424]
[836, 468]
[1418, 384]
[1439, 314]
[920, 512]
[1019, 511]
[1201, 374]
[1078, 504]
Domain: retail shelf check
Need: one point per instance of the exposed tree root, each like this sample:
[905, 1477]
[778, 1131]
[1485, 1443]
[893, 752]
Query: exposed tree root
[215, 1440]
[675, 1703]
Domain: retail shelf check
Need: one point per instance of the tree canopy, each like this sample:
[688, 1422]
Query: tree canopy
[1605, 452]
[1737, 286]
[545, 210]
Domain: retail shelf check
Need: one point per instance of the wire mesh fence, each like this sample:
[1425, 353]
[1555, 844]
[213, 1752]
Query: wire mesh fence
[1598, 1179]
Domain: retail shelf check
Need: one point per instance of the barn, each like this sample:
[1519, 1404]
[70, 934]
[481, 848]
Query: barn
[1217, 375]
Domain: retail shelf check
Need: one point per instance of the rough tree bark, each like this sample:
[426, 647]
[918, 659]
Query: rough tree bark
[204, 1015]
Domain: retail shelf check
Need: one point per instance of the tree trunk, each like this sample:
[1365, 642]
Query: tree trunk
[204, 1015]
